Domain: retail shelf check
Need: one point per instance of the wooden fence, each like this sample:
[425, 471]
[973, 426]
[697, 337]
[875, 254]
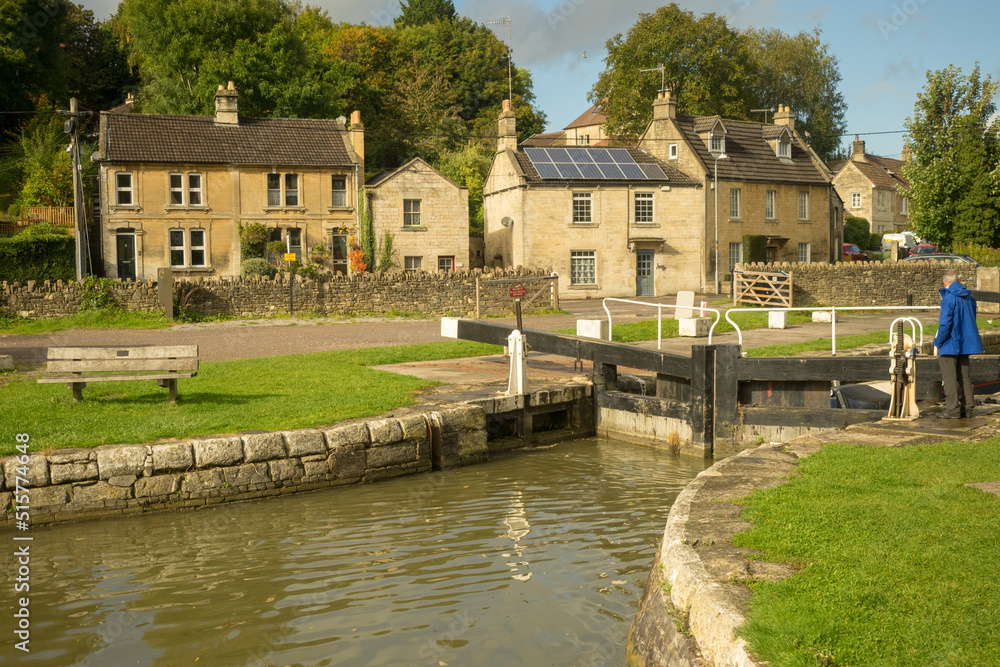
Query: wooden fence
[60, 216]
[751, 288]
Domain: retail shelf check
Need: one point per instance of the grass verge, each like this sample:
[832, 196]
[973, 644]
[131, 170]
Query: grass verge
[297, 391]
[90, 319]
[633, 332]
[897, 557]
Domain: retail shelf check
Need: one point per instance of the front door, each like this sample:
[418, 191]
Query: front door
[338, 253]
[126, 256]
[644, 273]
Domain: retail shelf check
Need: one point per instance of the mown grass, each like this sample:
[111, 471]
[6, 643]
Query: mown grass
[634, 332]
[91, 319]
[296, 391]
[897, 558]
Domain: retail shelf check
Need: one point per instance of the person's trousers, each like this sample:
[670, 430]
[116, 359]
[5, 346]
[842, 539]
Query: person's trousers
[955, 375]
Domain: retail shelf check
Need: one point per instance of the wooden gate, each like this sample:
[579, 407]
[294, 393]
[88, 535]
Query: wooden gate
[752, 288]
[492, 296]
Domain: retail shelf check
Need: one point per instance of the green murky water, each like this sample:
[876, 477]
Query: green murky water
[536, 559]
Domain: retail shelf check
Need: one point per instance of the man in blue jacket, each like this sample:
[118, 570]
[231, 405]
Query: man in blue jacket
[956, 339]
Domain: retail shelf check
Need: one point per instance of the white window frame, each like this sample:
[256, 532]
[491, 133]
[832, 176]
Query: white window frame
[291, 189]
[578, 258]
[784, 148]
[195, 192]
[734, 203]
[336, 192]
[412, 217]
[803, 205]
[446, 263]
[413, 263]
[583, 140]
[647, 199]
[289, 231]
[583, 208]
[736, 246]
[130, 188]
[276, 203]
[175, 190]
[769, 197]
[855, 200]
[716, 143]
[807, 247]
[187, 247]
[672, 152]
[904, 206]
[202, 247]
[172, 248]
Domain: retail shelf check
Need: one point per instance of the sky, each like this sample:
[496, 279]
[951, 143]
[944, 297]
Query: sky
[884, 47]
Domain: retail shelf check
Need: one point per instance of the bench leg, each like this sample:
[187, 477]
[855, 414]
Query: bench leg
[77, 388]
[173, 390]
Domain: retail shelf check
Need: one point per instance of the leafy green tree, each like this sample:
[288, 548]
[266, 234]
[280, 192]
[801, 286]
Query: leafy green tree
[420, 12]
[30, 34]
[857, 231]
[954, 171]
[705, 65]
[47, 174]
[468, 166]
[798, 70]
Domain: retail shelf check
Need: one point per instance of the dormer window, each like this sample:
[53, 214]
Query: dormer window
[784, 148]
[717, 143]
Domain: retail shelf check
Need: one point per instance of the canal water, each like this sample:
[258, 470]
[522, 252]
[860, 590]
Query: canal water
[538, 558]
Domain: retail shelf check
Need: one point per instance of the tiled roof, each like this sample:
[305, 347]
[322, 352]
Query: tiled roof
[750, 156]
[547, 139]
[674, 176]
[589, 117]
[200, 140]
[883, 172]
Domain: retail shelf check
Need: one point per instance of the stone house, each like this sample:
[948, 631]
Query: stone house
[586, 130]
[869, 186]
[175, 189]
[610, 221]
[769, 183]
[426, 213]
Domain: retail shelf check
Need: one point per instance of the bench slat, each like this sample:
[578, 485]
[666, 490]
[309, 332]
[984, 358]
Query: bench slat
[123, 364]
[114, 378]
[151, 352]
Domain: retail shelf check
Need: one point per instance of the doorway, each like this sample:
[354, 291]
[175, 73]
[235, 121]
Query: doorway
[644, 273]
[126, 255]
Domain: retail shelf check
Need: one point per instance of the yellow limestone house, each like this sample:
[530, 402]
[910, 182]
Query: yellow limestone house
[770, 183]
[610, 221]
[174, 189]
[870, 185]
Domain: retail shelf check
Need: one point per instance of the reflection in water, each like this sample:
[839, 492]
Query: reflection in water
[538, 558]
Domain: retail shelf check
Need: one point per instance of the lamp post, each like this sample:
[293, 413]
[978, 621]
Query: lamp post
[715, 186]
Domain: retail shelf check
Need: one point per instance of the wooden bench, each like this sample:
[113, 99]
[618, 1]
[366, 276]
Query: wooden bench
[79, 365]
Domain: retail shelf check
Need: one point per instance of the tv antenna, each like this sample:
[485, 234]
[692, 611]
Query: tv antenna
[764, 111]
[663, 76]
[510, 87]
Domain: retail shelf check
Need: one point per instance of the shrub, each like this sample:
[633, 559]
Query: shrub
[98, 294]
[754, 248]
[24, 257]
[875, 241]
[857, 231]
[253, 241]
[43, 229]
[257, 266]
[983, 254]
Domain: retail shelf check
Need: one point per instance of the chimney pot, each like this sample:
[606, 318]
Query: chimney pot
[221, 87]
[355, 117]
[231, 86]
[506, 105]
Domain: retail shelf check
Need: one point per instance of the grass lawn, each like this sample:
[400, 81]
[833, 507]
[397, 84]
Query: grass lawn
[91, 319]
[897, 556]
[296, 391]
[633, 332]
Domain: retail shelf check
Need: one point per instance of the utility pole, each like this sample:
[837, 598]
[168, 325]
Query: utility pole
[71, 127]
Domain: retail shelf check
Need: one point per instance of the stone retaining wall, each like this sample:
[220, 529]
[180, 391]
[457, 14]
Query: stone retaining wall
[436, 294]
[70, 484]
[869, 283]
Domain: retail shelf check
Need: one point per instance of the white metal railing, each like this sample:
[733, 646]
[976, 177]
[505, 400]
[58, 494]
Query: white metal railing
[659, 316]
[914, 324]
[833, 317]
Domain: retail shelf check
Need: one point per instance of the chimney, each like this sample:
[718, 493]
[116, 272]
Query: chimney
[356, 135]
[858, 150]
[784, 116]
[225, 105]
[665, 107]
[906, 154]
[507, 137]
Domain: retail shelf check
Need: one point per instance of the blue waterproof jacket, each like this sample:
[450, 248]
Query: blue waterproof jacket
[958, 333]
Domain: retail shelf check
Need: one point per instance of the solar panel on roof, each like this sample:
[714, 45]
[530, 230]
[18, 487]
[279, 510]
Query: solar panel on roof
[620, 155]
[611, 171]
[579, 155]
[590, 163]
[632, 170]
[537, 154]
[567, 170]
[559, 155]
[547, 170]
[590, 170]
[652, 171]
[601, 155]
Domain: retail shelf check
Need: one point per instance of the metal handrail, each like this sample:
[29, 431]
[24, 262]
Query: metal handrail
[833, 317]
[913, 329]
[659, 317]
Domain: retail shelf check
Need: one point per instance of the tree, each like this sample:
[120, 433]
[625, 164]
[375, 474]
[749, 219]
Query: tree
[419, 12]
[798, 70]
[954, 170]
[469, 166]
[857, 231]
[30, 32]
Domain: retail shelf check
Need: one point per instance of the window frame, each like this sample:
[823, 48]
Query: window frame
[577, 258]
[173, 247]
[413, 263]
[855, 201]
[202, 247]
[334, 191]
[648, 201]
[738, 247]
[444, 261]
[804, 205]
[904, 206]
[582, 206]
[130, 189]
[784, 149]
[734, 203]
[716, 140]
[807, 245]
[288, 241]
[175, 190]
[770, 196]
[408, 214]
[277, 199]
[187, 247]
[291, 183]
[672, 152]
[192, 190]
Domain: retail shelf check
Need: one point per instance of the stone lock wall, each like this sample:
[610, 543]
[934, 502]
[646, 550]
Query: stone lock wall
[70, 484]
[869, 283]
[436, 294]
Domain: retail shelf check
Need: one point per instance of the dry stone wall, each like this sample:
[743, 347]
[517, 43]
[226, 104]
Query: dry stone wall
[868, 283]
[435, 294]
[115, 480]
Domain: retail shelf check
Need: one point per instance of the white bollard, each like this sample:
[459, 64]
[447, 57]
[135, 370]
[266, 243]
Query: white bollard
[518, 383]
[695, 327]
[592, 329]
[777, 319]
[449, 327]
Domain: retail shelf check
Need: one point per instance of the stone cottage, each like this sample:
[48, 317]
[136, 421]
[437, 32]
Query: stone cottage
[174, 189]
[870, 185]
[426, 213]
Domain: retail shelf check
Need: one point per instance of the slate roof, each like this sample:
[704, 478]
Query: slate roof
[883, 172]
[200, 140]
[589, 117]
[750, 156]
[674, 176]
[546, 139]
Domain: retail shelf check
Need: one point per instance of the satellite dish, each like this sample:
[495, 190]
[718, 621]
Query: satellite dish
[507, 222]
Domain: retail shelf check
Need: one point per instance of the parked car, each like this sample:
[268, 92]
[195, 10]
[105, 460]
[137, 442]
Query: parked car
[853, 253]
[904, 239]
[925, 249]
[942, 257]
